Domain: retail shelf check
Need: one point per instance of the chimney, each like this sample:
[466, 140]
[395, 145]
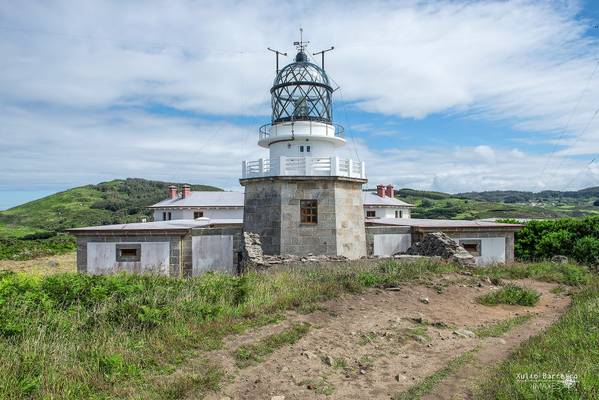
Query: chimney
[172, 189]
[380, 190]
[390, 192]
[186, 191]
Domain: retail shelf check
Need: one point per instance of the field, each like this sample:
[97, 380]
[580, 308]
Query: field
[370, 328]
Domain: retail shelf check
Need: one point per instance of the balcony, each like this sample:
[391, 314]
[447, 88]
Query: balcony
[303, 166]
[282, 131]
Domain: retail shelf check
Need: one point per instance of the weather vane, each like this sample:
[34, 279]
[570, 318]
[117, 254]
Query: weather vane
[301, 45]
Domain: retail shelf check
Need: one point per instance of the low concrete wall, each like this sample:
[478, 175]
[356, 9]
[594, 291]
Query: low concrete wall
[216, 249]
[384, 240]
[96, 254]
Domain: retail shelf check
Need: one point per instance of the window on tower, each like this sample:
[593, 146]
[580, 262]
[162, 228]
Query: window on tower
[301, 149]
[307, 149]
[309, 211]
[370, 214]
[198, 214]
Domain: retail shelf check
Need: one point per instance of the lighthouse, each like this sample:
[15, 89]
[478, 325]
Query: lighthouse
[304, 199]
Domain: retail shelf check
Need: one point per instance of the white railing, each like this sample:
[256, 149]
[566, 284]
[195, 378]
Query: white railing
[303, 166]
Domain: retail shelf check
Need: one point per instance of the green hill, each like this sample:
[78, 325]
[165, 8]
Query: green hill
[502, 204]
[33, 229]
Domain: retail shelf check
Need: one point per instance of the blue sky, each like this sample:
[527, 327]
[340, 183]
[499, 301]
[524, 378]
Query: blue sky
[449, 95]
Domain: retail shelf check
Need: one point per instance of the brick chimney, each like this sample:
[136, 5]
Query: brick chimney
[380, 190]
[172, 190]
[186, 191]
[390, 192]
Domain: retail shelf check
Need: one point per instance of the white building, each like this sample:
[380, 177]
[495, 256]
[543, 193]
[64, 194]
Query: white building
[189, 205]
[384, 204]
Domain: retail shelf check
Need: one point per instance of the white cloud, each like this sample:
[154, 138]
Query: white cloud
[71, 70]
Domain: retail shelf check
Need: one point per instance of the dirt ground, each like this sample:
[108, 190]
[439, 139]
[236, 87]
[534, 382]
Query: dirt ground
[378, 347]
[43, 265]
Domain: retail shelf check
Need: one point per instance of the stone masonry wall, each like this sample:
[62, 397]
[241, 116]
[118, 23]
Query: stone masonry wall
[272, 210]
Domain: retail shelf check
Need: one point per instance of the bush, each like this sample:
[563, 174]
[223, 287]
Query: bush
[511, 294]
[540, 240]
[586, 250]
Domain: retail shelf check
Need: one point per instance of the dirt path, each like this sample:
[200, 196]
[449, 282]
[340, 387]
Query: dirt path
[378, 347]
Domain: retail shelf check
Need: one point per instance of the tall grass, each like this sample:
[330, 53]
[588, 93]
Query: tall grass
[74, 336]
[540, 368]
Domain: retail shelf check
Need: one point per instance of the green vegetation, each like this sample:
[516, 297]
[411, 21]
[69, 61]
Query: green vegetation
[569, 347]
[319, 385]
[76, 336]
[250, 354]
[566, 274]
[502, 204]
[28, 231]
[577, 238]
[511, 294]
[500, 328]
[73, 336]
[429, 383]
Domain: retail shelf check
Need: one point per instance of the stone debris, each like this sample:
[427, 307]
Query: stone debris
[559, 259]
[465, 333]
[425, 300]
[253, 257]
[277, 398]
[441, 245]
[328, 360]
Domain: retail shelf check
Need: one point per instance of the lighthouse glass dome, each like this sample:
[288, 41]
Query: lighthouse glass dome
[301, 92]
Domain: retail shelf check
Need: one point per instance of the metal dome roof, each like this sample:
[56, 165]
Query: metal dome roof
[301, 91]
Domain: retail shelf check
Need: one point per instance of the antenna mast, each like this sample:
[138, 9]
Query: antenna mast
[322, 54]
[277, 53]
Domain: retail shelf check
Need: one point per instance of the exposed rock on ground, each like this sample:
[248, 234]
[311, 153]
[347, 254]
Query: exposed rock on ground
[441, 245]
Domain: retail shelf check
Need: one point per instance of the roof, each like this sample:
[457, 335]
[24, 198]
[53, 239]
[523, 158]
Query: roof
[373, 199]
[204, 199]
[176, 225]
[441, 223]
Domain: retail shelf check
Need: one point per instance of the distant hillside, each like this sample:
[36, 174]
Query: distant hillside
[117, 201]
[502, 204]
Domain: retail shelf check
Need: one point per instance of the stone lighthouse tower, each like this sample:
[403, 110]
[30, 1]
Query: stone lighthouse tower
[303, 198]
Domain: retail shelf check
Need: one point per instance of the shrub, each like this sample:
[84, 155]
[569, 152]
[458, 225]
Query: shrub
[586, 250]
[540, 240]
[511, 294]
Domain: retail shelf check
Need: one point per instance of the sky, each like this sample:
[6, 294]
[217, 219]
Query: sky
[451, 96]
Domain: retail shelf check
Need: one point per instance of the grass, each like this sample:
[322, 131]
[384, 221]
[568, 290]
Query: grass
[511, 294]
[429, 383]
[569, 347]
[566, 274]
[319, 385]
[72, 336]
[250, 354]
[500, 328]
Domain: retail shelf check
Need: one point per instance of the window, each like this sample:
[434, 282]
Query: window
[128, 252]
[398, 214]
[301, 149]
[370, 214]
[309, 211]
[164, 216]
[198, 214]
[471, 246]
[307, 149]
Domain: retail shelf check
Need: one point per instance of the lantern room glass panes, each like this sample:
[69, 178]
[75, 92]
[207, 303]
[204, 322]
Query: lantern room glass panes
[301, 91]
